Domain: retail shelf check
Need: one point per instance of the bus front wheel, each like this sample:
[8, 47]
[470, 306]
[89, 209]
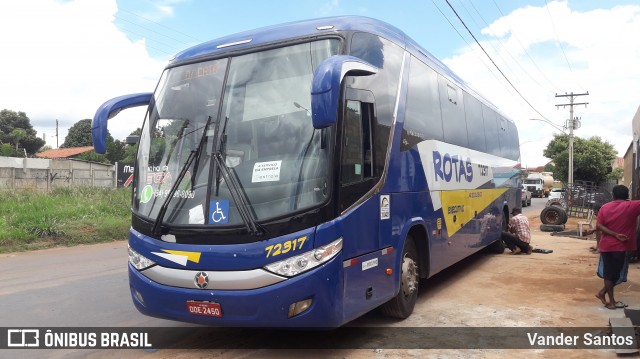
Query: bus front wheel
[401, 306]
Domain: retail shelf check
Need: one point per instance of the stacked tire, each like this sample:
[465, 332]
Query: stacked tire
[558, 202]
[553, 218]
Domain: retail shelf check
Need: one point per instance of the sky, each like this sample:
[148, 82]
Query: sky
[63, 59]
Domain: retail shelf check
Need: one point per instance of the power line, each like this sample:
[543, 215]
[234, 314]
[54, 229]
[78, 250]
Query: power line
[159, 24]
[558, 39]
[480, 57]
[148, 39]
[506, 49]
[515, 36]
[153, 31]
[495, 48]
[173, 48]
[471, 47]
[493, 62]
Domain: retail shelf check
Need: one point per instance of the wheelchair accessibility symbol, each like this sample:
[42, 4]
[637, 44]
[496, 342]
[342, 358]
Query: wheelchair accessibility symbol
[219, 212]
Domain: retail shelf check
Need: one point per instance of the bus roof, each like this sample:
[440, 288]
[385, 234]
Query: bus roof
[316, 27]
[291, 30]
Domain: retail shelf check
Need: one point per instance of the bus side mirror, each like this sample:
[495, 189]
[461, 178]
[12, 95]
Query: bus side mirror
[325, 87]
[107, 111]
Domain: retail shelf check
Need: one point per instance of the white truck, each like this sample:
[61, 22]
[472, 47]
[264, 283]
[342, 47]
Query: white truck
[539, 183]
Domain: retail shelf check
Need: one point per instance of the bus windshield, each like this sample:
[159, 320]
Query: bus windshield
[253, 111]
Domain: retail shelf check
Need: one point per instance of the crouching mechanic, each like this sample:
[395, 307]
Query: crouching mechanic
[519, 235]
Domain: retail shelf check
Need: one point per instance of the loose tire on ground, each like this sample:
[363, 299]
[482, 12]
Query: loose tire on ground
[401, 306]
[558, 202]
[553, 215]
[552, 227]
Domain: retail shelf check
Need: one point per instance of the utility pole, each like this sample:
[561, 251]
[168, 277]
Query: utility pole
[571, 124]
[57, 134]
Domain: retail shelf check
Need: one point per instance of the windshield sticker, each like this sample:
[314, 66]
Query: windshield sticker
[219, 212]
[159, 178]
[196, 215]
[146, 194]
[266, 171]
[385, 208]
[206, 70]
[163, 193]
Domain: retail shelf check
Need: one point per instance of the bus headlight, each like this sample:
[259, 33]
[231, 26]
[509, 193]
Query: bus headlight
[303, 262]
[139, 261]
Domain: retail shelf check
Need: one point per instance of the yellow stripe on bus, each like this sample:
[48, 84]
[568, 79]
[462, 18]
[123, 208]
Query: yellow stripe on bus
[460, 207]
[192, 256]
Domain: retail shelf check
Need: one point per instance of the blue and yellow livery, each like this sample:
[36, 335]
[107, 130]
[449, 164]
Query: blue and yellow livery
[304, 174]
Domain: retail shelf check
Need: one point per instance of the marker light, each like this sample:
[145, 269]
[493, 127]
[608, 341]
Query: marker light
[138, 296]
[299, 307]
[303, 262]
[139, 261]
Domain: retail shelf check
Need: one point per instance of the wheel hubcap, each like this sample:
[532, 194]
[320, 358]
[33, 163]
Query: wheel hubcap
[409, 276]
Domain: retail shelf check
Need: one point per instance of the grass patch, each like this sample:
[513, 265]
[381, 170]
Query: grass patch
[63, 217]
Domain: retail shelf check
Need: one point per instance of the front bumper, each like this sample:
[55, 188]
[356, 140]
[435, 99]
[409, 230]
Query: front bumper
[267, 306]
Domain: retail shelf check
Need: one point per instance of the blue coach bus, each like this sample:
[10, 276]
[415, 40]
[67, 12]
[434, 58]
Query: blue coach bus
[304, 174]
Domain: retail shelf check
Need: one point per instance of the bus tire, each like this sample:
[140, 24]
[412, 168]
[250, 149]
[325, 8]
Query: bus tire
[552, 227]
[553, 215]
[401, 306]
[498, 246]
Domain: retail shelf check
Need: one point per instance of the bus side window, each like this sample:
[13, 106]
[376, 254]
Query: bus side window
[353, 147]
[357, 167]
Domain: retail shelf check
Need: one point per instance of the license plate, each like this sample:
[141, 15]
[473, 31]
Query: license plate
[204, 308]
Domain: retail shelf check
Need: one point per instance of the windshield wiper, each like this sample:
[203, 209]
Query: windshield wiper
[195, 153]
[235, 189]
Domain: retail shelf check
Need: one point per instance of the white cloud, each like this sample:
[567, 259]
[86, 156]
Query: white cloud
[62, 60]
[600, 45]
[165, 10]
[329, 7]
[162, 9]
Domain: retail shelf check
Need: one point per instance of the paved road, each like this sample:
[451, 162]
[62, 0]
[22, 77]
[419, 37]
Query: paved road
[537, 204]
[77, 286]
[84, 286]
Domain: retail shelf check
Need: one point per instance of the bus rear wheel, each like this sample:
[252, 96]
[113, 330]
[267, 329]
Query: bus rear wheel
[498, 246]
[401, 306]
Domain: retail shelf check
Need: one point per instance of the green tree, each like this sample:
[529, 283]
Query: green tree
[592, 158]
[93, 157]
[79, 135]
[616, 174]
[115, 150]
[130, 150]
[7, 150]
[17, 135]
[11, 121]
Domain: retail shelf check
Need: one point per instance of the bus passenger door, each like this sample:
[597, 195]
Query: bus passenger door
[357, 171]
[366, 283]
